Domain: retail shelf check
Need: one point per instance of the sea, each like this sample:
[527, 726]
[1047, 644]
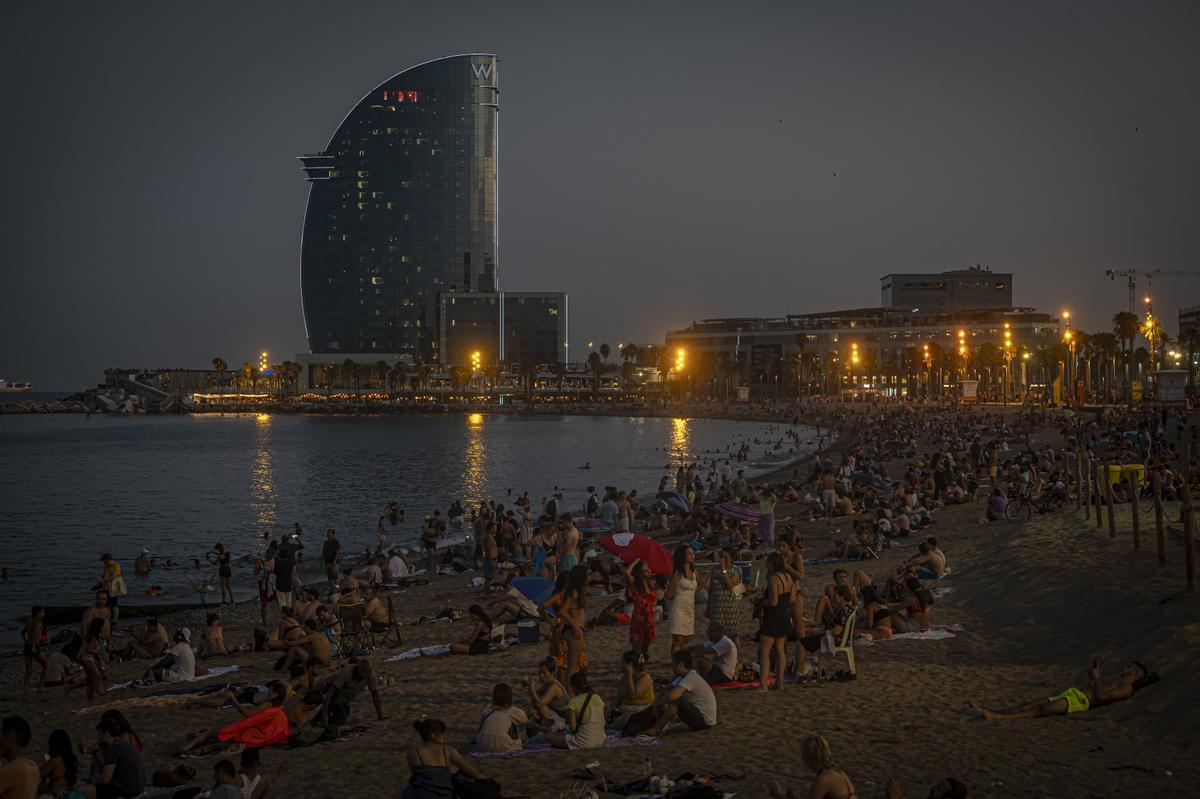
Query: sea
[75, 487]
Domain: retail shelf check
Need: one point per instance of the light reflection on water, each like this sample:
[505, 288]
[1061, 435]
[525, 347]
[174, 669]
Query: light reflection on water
[77, 487]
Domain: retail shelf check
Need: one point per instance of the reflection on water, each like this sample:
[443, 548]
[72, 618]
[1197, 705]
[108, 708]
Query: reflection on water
[473, 479]
[263, 503]
[681, 440]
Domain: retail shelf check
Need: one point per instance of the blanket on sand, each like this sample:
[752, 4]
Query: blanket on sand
[611, 741]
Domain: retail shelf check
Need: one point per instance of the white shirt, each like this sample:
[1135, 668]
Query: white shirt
[701, 694]
[494, 726]
[397, 567]
[725, 655]
[184, 668]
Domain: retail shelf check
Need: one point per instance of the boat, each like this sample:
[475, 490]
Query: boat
[8, 387]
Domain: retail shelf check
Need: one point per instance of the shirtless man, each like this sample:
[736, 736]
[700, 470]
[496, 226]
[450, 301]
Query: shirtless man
[98, 611]
[1134, 677]
[570, 542]
[926, 564]
[149, 640]
[19, 775]
[312, 648]
[375, 612]
[141, 565]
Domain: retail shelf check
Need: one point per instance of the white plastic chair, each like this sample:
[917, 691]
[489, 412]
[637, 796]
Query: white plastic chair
[843, 643]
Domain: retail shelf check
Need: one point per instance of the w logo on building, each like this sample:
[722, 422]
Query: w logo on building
[482, 71]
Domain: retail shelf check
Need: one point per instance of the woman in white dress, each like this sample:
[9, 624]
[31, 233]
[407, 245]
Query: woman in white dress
[681, 598]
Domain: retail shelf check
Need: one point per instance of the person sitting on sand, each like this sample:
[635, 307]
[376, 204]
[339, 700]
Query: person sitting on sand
[399, 567]
[926, 564]
[875, 612]
[717, 658]
[429, 763]
[178, 663]
[251, 783]
[124, 771]
[288, 630]
[311, 649]
[270, 726]
[585, 718]
[831, 781]
[690, 699]
[212, 640]
[224, 781]
[148, 640]
[98, 611]
[60, 771]
[635, 690]
[308, 603]
[19, 775]
[501, 724]
[547, 694]
[914, 612]
[478, 642]
[1134, 677]
[996, 505]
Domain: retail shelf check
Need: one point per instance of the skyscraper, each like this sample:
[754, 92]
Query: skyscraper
[402, 209]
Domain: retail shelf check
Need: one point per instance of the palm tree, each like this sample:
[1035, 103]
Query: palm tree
[597, 369]
[560, 373]
[381, 372]
[1125, 327]
[1105, 346]
[630, 352]
[246, 371]
[219, 366]
[604, 352]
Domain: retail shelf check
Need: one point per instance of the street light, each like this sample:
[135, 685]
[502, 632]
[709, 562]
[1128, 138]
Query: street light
[1008, 355]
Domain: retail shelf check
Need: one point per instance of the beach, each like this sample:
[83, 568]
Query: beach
[1036, 601]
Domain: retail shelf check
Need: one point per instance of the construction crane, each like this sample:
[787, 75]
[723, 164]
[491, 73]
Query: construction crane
[1149, 274]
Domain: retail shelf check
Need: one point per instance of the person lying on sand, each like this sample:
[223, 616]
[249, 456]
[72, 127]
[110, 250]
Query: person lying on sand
[270, 726]
[252, 694]
[1134, 677]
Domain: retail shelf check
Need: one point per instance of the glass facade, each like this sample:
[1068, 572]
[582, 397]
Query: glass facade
[402, 210]
[505, 328]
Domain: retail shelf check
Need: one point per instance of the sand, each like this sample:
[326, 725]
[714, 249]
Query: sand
[1037, 601]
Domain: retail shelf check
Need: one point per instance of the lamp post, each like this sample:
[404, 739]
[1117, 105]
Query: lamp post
[962, 352]
[1024, 376]
[928, 370]
[1008, 354]
[1148, 329]
[851, 363]
[1069, 339]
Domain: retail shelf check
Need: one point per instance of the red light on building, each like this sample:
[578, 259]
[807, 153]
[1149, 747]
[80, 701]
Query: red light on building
[401, 95]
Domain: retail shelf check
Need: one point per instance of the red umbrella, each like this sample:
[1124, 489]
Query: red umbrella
[639, 547]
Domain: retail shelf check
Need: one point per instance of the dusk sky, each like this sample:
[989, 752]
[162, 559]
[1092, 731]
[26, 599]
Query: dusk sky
[660, 162]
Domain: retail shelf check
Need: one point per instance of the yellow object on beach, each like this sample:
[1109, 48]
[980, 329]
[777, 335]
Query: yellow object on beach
[1077, 700]
[1135, 472]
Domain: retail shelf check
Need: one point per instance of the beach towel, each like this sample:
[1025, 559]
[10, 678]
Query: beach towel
[827, 561]
[213, 672]
[634, 546]
[935, 633]
[611, 741]
[740, 684]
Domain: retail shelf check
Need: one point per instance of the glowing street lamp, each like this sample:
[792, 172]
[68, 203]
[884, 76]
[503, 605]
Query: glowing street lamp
[476, 360]
[680, 359]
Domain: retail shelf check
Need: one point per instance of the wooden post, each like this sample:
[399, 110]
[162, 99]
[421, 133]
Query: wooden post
[1108, 497]
[1099, 494]
[1159, 528]
[1189, 536]
[1135, 509]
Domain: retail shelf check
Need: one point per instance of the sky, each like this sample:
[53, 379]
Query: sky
[660, 162]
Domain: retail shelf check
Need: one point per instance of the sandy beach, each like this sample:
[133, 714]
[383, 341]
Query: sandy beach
[1037, 602]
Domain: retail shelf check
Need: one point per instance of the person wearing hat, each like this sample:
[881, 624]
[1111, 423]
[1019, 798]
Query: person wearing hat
[179, 662]
[141, 566]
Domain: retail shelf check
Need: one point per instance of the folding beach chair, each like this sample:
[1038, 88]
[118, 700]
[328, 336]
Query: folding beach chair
[391, 633]
[843, 643]
[354, 633]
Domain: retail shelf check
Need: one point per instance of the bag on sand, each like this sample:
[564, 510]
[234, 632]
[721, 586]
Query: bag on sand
[467, 788]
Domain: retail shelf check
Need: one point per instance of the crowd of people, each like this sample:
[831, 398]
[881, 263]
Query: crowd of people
[736, 573]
